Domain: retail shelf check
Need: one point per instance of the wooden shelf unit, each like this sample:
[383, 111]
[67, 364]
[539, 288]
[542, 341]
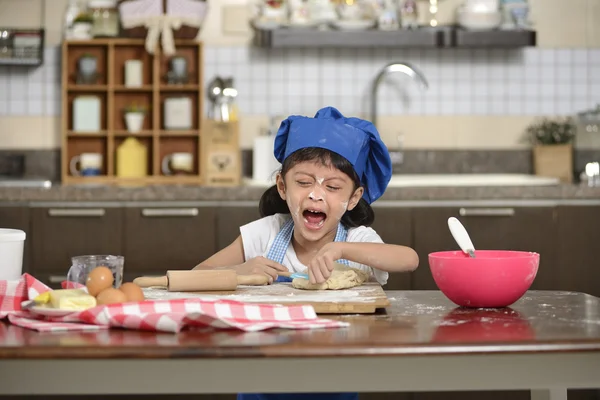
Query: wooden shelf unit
[115, 96]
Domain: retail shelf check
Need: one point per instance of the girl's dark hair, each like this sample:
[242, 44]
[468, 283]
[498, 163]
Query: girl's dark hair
[271, 203]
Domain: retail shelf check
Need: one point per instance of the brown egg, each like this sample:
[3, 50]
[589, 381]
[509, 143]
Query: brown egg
[111, 296]
[132, 291]
[99, 279]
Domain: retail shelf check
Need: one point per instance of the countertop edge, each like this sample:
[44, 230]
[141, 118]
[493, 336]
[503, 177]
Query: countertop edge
[281, 351]
[250, 194]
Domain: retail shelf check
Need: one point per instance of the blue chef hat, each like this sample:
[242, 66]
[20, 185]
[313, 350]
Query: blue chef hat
[355, 139]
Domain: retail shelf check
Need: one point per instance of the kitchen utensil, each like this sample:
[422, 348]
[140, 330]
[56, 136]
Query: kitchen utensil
[214, 92]
[298, 275]
[461, 236]
[206, 280]
[228, 100]
[496, 278]
[201, 280]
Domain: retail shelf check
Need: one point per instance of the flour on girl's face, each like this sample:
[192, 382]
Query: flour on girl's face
[313, 189]
[344, 208]
[295, 212]
[317, 194]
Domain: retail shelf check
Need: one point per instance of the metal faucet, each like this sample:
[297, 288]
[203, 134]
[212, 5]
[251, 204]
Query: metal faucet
[405, 68]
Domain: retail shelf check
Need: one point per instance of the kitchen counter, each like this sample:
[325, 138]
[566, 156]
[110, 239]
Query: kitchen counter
[174, 193]
[423, 342]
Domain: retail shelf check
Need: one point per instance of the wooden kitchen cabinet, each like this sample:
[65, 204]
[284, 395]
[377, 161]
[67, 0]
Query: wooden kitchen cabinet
[157, 239]
[490, 228]
[57, 234]
[577, 244]
[394, 226]
[18, 218]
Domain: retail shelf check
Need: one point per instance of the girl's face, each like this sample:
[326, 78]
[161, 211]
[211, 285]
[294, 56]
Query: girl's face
[317, 196]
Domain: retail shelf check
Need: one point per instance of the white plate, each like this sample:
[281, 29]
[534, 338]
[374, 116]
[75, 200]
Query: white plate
[50, 312]
[353, 25]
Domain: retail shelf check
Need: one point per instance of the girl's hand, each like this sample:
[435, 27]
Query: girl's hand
[261, 266]
[323, 263]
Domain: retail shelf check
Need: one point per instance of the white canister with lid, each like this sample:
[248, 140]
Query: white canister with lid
[12, 243]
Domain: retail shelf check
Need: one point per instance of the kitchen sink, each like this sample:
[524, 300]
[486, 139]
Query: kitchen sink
[427, 180]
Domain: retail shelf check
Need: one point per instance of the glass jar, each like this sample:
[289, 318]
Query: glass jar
[105, 16]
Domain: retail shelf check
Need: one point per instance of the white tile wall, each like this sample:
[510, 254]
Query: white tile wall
[31, 91]
[300, 81]
[462, 82]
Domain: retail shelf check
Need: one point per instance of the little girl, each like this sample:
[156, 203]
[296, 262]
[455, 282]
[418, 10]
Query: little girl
[319, 212]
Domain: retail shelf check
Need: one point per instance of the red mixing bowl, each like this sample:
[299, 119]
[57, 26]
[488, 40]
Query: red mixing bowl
[494, 278]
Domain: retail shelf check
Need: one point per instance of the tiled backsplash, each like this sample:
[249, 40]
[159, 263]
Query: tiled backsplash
[31, 91]
[530, 81]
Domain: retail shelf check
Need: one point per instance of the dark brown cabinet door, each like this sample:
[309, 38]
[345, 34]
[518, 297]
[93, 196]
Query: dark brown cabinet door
[578, 268]
[57, 234]
[229, 220]
[394, 226]
[490, 228]
[18, 218]
[158, 239]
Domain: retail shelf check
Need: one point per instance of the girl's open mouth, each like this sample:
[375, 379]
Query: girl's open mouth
[314, 219]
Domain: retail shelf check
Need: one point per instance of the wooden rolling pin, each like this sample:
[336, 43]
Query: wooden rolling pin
[202, 280]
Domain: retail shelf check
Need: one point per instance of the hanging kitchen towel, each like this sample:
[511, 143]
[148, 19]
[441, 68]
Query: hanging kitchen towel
[158, 315]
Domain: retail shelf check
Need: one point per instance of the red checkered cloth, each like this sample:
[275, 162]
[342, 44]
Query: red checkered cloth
[158, 315]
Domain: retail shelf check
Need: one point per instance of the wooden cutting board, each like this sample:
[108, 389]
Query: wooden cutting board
[364, 299]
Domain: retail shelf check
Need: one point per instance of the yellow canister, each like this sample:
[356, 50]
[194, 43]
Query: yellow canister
[132, 159]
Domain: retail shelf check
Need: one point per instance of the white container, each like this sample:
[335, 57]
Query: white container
[86, 114]
[133, 73]
[12, 242]
[264, 163]
[178, 113]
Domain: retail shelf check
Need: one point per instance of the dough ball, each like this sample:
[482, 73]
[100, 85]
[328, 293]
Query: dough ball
[342, 277]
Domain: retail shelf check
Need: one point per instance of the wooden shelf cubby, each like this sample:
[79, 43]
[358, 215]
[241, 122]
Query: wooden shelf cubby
[114, 96]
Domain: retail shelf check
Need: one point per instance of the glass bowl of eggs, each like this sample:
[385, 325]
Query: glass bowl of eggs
[82, 266]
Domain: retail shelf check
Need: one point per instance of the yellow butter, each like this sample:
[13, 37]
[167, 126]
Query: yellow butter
[71, 299]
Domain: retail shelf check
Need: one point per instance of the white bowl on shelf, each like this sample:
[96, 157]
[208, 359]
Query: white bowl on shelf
[478, 20]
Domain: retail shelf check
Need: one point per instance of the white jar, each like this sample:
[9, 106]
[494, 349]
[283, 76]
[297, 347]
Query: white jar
[106, 18]
[12, 242]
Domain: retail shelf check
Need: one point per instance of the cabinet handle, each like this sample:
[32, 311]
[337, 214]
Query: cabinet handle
[487, 212]
[76, 212]
[170, 212]
[57, 278]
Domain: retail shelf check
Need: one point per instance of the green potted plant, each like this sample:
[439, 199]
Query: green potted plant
[82, 26]
[134, 117]
[552, 141]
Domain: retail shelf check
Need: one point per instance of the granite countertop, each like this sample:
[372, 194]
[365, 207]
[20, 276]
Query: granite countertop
[177, 193]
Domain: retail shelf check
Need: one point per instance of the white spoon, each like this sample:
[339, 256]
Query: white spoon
[461, 236]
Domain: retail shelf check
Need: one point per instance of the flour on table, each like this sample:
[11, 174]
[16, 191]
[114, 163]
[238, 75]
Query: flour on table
[277, 293]
[342, 277]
